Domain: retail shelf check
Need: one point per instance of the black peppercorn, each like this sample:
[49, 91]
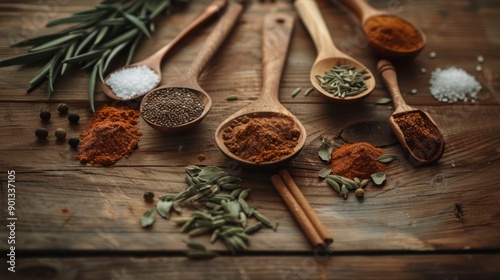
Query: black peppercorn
[62, 108]
[73, 118]
[45, 115]
[148, 196]
[41, 133]
[73, 142]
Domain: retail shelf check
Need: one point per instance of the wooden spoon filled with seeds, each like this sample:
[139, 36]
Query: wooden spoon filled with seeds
[182, 104]
[334, 74]
[417, 132]
[277, 134]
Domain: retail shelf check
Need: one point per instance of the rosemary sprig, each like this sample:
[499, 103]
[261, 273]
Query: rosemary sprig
[94, 42]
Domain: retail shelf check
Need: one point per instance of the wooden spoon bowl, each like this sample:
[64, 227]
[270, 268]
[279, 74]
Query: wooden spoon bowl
[388, 74]
[153, 62]
[365, 12]
[277, 32]
[190, 80]
[328, 54]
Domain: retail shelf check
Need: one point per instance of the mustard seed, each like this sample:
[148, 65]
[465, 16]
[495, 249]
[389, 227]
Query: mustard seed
[45, 115]
[73, 118]
[41, 133]
[60, 133]
[74, 142]
[62, 108]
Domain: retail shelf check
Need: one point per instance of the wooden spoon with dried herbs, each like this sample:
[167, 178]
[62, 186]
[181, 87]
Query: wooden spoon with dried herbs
[96, 40]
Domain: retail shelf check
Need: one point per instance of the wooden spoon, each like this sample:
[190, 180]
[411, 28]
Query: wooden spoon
[388, 73]
[154, 61]
[364, 12]
[328, 55]
[190, 80]
[277, 32]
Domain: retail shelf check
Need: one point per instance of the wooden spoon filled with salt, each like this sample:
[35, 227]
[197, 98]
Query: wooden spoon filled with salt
[415, 129]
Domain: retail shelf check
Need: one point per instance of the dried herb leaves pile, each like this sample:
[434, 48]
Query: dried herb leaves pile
[221, 210]
[94, 42]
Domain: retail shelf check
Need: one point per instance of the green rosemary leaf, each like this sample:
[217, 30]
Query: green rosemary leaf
[56, 42]
[112, 22]
[85, 42]
[42, 74]
[120, 39]
[84, 57]
[53, 68]
[37, 40]
[113, 53]
[132, 49]
[29, 57]
[159, 8]
[137, 22]
[78, 18]
[69, 53]
[90, 63]
[92, 78]
[101, 71]
[102, 33]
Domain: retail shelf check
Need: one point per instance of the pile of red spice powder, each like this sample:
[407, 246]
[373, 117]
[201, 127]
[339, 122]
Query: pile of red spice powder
[357, 160]
[112, 135]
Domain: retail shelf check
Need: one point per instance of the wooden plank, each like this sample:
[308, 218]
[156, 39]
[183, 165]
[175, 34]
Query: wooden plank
[471, 266]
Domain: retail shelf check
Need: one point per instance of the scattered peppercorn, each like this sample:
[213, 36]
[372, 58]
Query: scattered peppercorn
[148, 196]
[60, 133]
[74, 142]
[73, 118]
[41, 133]
[62, 108]
[359, 192]
[45, 115]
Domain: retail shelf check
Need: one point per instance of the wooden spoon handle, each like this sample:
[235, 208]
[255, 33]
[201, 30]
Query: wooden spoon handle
[204, 15]
[360, 8]
[388, 74]
[276, 35]
[214, 40]
[313, 20]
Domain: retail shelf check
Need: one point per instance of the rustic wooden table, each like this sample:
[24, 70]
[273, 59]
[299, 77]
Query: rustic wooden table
[81, 222]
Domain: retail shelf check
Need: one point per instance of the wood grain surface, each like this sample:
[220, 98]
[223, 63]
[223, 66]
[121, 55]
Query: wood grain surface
[405, 229]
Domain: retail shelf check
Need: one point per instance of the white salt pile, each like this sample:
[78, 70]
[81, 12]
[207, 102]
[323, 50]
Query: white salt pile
[453, 84]
[132, 82]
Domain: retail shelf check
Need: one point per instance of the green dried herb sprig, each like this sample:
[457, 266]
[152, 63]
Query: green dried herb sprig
[221, 210]
[94, 42]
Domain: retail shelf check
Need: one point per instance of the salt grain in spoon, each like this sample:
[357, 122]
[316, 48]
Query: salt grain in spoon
[132, 82]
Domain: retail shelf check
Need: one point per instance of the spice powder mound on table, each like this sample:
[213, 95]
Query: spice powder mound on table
[112, 135]
[358, 160]
[261, 138]
[422, 137]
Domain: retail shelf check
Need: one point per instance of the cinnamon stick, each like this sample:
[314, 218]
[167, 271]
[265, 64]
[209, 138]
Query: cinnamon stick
[299, 214]
[304, 204]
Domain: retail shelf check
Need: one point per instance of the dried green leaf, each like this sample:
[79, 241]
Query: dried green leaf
[137, 22]
[324, 172]
[164, 207]
[325, 151]
[386, 158]
[383, 101]
[148, 218]
[296, 91]
[378, 178]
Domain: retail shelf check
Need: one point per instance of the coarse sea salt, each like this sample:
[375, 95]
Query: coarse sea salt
[133, 81]
[453, 84]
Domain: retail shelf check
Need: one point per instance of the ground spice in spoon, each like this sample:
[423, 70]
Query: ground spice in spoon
[393, 33]
[112, 134]
[422, 137]
[261, 138]
[357, 160]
